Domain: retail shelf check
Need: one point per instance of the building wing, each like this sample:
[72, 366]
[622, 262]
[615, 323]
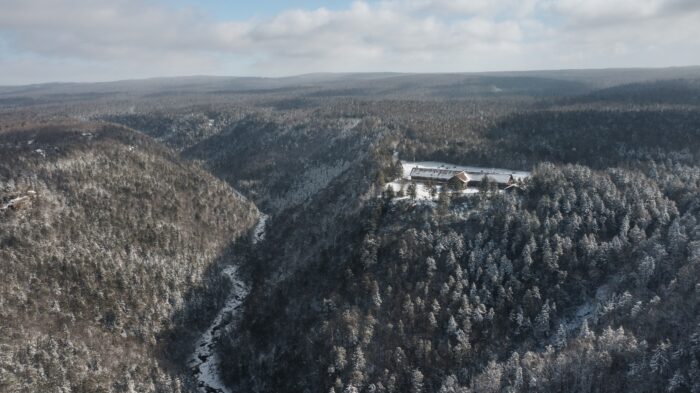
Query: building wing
[433, 174]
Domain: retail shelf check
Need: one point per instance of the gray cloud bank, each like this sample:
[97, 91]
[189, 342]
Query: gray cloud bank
[43, 40]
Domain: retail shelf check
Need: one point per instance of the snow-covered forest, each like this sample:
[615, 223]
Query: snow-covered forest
[134, 256]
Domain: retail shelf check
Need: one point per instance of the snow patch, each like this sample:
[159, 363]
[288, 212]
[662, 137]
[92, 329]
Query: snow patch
[259, 231]
[588, 310]
[423, 191]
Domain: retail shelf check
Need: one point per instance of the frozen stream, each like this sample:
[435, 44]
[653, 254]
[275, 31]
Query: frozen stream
[205, 361]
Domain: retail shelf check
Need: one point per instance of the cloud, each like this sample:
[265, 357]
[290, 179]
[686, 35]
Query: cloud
[465, 7]
[100, 29]
[107, 39]
[620, 12]
[363, 33]
[627, 33]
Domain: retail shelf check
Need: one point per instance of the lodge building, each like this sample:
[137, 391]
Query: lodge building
[470, 179]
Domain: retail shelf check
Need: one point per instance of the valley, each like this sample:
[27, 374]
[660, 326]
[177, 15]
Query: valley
[239, 235]
[205, 361]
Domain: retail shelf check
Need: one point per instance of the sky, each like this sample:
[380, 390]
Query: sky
[100, 40]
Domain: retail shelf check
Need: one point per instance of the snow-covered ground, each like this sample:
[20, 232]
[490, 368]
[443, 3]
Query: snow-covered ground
[259, 231]
[205, 361]
[588, 310]
[14, 202]
[422, 190]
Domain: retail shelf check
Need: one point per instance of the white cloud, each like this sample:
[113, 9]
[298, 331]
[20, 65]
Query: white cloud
[107, 39]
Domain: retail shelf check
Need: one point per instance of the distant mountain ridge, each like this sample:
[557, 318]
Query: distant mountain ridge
[592, 79]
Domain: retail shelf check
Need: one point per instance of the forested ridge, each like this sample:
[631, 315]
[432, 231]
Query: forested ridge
[586, 281]
[111, 254]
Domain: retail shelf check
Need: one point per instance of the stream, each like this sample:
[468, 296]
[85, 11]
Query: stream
[205, 360]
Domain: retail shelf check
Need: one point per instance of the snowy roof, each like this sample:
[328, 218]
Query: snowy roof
[441, 171]
[461, 175]
[500, 178]
[433, 173]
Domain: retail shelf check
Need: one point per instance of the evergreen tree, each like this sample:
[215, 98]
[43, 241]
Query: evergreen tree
[412, 190]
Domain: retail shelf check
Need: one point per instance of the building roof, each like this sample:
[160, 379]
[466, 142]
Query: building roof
[514, 187]
[462, 176]
[432, 173]
[444, 174]
[500, 178]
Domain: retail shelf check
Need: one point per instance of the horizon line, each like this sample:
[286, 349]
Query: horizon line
[308, 74]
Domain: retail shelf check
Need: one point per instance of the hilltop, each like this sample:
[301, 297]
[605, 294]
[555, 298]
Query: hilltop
[103, 266]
